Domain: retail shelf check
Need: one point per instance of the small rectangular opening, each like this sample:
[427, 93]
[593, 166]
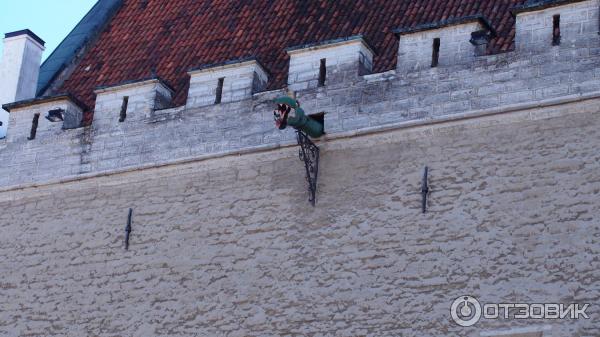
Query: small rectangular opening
[123, 114]
[556, 30]
[435, 57]
[319, 117]
[219, 95]
[34, 126]
[323, 72]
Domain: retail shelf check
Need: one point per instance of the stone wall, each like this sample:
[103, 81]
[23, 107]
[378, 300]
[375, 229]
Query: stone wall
[240, 81]
[350, 101]
[416, 49]
[231, 247]
[225, 243]
[534, 29]
[366, 101]
[142, 99]
[345, 60]
[21, 123]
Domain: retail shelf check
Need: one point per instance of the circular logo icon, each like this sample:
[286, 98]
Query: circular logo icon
[466, 311]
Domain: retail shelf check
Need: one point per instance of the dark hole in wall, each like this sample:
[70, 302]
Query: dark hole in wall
[556, 30]
[319, 117]
[480, 39]
[162, 101]
[219, 95]
[34, 126]
[323, 72]
[123, 114]
[363, 68]
[435, 57]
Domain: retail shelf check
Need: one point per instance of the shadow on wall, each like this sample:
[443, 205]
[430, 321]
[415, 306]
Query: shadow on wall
[3, 123]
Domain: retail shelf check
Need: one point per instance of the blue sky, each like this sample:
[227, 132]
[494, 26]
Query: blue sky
[51, 20]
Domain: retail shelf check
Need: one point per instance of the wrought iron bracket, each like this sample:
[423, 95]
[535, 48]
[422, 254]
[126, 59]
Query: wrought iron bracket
[309, 154]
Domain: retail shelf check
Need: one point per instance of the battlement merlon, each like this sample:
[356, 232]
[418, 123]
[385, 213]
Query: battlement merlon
[230, 81]
[332, 62]
[445, 43]
[57, 113]
[570, 23]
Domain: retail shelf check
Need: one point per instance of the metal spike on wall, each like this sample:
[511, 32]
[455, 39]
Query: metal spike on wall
[424, 189]
[128, 229]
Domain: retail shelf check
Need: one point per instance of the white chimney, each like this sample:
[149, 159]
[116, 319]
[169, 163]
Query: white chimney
[19, 69]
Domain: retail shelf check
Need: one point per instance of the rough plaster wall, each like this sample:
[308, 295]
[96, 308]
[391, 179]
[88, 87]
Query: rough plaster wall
[19, 68]
[10, 67]
[231, 247]
[29, 71]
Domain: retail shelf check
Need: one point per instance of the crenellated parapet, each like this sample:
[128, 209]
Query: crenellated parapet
[443, 70]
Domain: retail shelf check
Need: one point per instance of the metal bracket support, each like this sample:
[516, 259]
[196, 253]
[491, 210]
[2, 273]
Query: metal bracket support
[309, 154]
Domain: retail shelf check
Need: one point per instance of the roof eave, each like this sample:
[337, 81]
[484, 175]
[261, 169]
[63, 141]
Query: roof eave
[446, 23]
[46, 99]
[132, 83]
[234, 62]
[531, 6]
[332, 42]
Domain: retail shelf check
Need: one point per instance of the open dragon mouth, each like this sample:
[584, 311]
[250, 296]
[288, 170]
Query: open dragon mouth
[281, 115]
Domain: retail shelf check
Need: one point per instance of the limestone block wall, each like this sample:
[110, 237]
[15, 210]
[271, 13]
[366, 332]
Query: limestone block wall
[345, 60]
[416, 48]
[240, 81]
[142, 99]
[577, 22]
[151, 135]
[20, 120]
[231, 247]
[55, 152]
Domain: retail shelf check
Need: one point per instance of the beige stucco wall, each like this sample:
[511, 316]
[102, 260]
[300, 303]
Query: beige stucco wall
[230, 246]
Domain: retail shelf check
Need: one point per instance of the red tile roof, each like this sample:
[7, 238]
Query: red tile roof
[169, 37]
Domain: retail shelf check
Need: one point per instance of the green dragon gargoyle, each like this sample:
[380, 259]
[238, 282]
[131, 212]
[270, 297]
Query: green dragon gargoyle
[290, 113]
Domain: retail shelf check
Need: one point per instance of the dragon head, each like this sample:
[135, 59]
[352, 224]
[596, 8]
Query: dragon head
[286, 107]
